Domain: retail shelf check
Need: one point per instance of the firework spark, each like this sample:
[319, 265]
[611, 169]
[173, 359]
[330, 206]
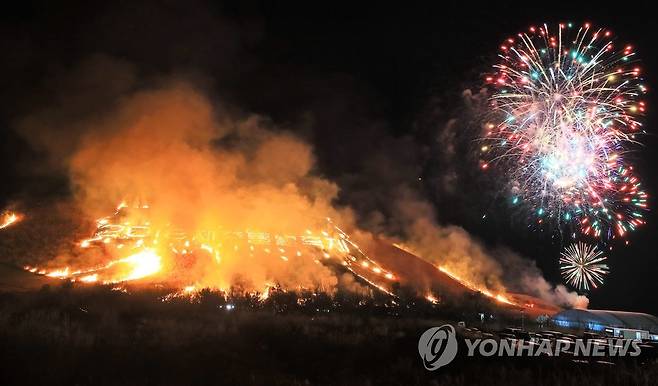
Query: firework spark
[583, 266]
[567, 103]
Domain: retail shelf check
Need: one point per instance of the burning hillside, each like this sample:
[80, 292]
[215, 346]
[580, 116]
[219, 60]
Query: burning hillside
[136, 251]
[440, 283]
[130, 250]
[231, 202]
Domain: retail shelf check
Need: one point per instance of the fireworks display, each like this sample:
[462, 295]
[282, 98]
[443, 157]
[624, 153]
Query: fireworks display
[583, 266]
[567, 103]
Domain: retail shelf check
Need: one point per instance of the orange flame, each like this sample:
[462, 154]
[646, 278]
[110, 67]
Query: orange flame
[472, 286]
[9, 218]
[499, 297]
[126, 230]
[144, 263]
[137, 266]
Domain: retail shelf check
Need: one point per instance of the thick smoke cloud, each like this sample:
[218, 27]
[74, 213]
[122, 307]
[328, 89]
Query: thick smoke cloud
[172, 122]
[452, 247]
[404, 210]
[199, 167]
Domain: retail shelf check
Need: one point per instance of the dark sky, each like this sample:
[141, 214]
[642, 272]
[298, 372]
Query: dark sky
[378, 84]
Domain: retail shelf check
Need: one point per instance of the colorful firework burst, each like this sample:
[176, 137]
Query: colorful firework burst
[583, 266]
[566, 107]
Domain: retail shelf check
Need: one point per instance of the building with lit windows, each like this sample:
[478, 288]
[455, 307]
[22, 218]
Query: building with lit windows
[630, 325]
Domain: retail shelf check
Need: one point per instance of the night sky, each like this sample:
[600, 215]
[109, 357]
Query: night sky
[372, 88]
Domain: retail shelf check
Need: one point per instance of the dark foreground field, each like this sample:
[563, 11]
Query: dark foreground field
[96, 336]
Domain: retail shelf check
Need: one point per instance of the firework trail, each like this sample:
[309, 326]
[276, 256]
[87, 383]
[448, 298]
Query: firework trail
[583, 266]
[566, 105]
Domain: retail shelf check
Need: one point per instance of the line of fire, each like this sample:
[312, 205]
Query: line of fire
[141, 254]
